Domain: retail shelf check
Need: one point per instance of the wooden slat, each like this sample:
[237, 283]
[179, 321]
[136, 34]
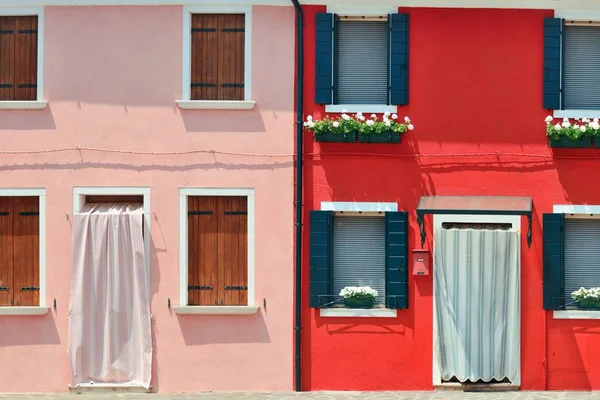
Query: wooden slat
[6, 250]
[26, 58]
[204, 56]
[231, 51]
[232, 250]
[26, 251]
[7, 57]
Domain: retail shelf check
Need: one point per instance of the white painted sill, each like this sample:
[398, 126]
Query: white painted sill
[359, 312]
[576, 314]
[216, 104]
[23, 105]
[576, 113]
[216, 310]
[24, 310]
[363, 108]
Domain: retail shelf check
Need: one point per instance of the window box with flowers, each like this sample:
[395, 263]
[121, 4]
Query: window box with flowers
[587, 299]
[576, 134]
[344, 129]
[358, 296]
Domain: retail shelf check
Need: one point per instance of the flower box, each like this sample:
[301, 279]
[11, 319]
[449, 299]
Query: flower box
[336, 137]
[565, 142]
[358, 302]
[588, 304]
[384, 137]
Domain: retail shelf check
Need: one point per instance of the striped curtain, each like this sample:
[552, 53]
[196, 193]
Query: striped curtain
[109, 311]
[477, 317]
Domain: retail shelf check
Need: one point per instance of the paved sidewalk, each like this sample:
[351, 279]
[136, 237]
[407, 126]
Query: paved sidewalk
[318, 396]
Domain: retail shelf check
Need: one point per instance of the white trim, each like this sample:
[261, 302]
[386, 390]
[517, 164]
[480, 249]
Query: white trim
[576, 314]
[438, 220]
[370, 11]
[216, 104]
[576, 114]
[183, 243]
[79, 193]
[20, 11]
[579, 15]
[575, 209]
[187, 46]
[352, 206]
[358, 313]
[216, 310]
[363, 108]
[41, 194]
[28, 310]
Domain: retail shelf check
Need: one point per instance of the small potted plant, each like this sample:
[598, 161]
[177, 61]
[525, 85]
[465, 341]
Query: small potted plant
[567, 134]
[340, 130]
[588, 299]
[358, 296]
[388, 130]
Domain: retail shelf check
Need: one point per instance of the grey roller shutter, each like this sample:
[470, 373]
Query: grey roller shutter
[359, 253]
[362, 62]
[582, 255]
[581, 71]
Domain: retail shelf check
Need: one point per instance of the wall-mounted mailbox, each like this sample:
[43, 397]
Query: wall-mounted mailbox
[420, 262]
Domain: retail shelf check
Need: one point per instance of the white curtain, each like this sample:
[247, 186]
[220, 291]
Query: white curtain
[110, 340]
[477, 317]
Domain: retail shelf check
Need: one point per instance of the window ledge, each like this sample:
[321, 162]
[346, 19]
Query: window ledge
[24, 310]
[363, 108]
[359, 312]
[576, 113]
[576, 314]
[216, 310]
[23, 105]
[216, 104]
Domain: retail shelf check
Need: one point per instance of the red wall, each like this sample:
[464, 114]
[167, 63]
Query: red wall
[475, 89]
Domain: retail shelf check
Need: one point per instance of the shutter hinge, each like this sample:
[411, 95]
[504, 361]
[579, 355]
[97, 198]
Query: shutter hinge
[197, 287]
[236, 212]
[200, 213]
[30, 288]
[29, 213]
[4, 288]
[4, 213]
[236, 287]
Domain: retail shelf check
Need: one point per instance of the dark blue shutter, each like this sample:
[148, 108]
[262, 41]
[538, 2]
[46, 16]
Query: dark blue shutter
[396, 259]
[398, 42]
[553, 261]
[324, 59]
[552, 62]
[321, 258]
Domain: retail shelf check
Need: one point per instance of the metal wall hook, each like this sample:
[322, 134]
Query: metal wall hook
[169, 303]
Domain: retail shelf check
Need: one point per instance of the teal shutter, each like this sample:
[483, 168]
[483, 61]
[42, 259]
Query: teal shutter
[324, 58]
[398, 43]
[553, 261]
[396, 259]
[321, 258]
[552, 62]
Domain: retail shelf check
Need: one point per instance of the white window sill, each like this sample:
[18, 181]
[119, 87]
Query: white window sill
[24, 310]
[576, 314]
[23, 105]
[363, 108]
[576, 113]
[216, 310]
[359, 312]
[216, 104]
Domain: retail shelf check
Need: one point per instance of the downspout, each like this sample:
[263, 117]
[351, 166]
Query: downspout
[299, 167]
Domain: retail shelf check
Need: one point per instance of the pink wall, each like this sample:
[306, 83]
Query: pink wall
[112, 75]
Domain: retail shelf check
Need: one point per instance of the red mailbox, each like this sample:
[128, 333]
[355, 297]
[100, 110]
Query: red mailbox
[420, 261]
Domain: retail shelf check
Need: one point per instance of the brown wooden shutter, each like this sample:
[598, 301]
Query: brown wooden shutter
[7, 58]
[26, 58]
[202, 250]
[233, 265]
[6, 251]
[231, 56]
[26, 268]
[204, 57]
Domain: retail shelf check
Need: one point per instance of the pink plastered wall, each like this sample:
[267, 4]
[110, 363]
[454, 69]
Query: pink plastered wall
[111, 79]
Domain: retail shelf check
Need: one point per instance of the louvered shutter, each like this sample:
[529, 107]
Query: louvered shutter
[582, 255]
[359, 254]
[553, 261]
[26, 58]
[398, 43]
[552, 62]
[396, 259]
[324, 58]
[321, 262]
[26, 251]
[581, 72]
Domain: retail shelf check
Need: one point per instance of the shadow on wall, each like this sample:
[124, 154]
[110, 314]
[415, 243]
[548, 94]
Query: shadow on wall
[27, 120]
[28, 330]
[212, 329]
[569, 358]
[223, 120]
[154, 288]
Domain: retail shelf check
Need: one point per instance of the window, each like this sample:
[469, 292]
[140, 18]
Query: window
[582, 261]
[20, 251]
[217, 246]
[18, 58]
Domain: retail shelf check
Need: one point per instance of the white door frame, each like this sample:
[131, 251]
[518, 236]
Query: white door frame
[438, 220]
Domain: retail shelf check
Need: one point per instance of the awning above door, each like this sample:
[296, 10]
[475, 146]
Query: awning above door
[474, 205]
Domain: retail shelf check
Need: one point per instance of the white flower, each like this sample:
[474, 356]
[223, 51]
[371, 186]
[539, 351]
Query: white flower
[362, 118]
[410, 127]
[595, 125]
[406, 119]
[305, 124]
[585, 120]
[386, 114]
[370, 122]
[582, 128]
[557, 127]
[566, 124]
[576, 126]
[309, 118]
[388, 123]
[549, 119]
[344, 110]
[336, 124]
[346, 117]
[358, 291]
[373, 116]
[596, 120]
[565, 119]
[311, 124]
[394, 116]
[359, 114]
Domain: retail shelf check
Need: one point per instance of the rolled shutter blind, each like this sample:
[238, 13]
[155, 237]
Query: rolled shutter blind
[582, 255]
[359, 254]
[581, 72]
[362, 62]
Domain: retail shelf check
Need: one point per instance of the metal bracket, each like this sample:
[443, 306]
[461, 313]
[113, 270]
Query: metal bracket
[236, 287]
[421, 223]
[28, 213]
[27, 85]
[233, 30]
[236, 212]
[529, 231]
[30, 288]
[4, 213]
[200, 213]
[204, 29]
[202, 85]
[4, 288]
[232, 85]
[28, 31]
[198, 287]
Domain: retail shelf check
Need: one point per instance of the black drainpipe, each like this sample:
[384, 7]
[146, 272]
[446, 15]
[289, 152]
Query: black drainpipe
[299, 154]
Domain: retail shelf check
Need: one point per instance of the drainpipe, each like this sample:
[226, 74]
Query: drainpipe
[299, 167]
